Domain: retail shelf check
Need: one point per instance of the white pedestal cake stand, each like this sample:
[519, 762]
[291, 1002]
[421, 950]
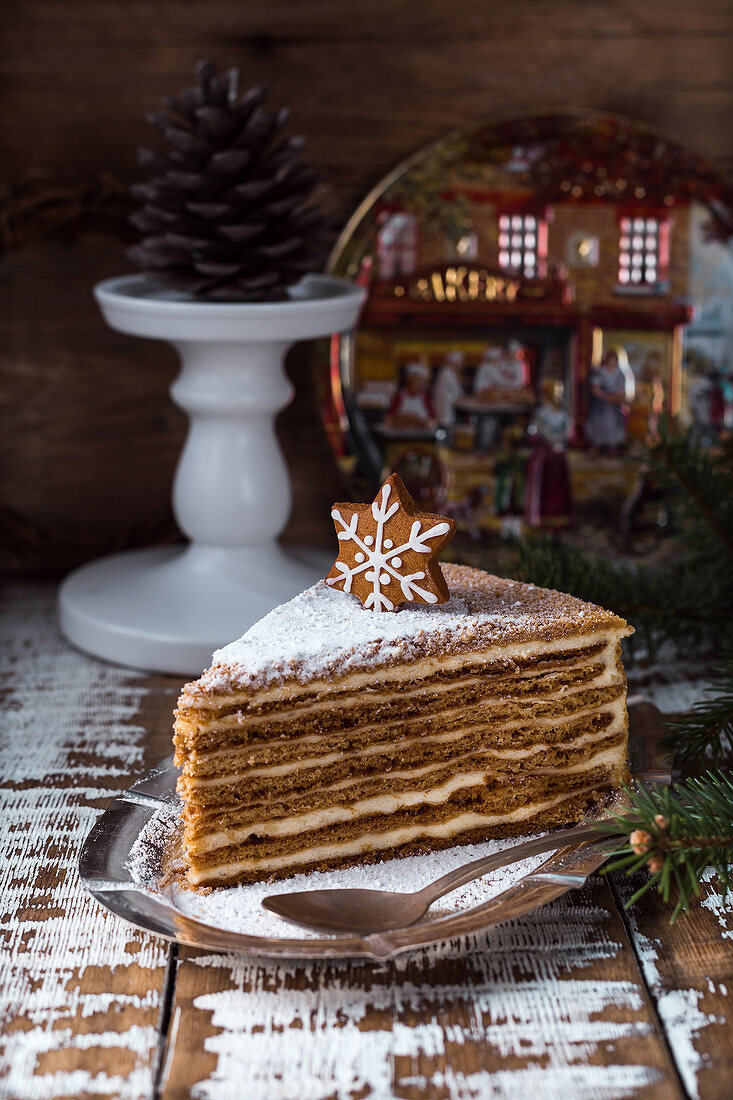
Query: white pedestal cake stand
[167, 609]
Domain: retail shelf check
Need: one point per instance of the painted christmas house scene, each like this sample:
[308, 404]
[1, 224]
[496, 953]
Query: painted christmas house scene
[540, 294]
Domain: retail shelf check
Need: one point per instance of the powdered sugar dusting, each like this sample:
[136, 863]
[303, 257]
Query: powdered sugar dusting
[145, 861]
[324, 632]
[239, 908]
[532, 997]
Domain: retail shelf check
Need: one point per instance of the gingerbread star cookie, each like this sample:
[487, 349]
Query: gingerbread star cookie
[388, 550]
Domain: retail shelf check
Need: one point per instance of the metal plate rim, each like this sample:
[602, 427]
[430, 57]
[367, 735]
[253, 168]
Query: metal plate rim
[140, 907]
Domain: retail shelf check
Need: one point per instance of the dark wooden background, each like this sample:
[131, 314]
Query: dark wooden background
[89, 439]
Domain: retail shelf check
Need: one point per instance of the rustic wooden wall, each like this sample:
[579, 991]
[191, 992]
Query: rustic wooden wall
[89, 438]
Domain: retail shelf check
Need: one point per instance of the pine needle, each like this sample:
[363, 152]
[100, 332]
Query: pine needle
[677, 832]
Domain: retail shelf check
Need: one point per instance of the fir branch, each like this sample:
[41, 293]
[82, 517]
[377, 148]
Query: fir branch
[676, 833]
[706, 733]
[660, 602]
[700, 481]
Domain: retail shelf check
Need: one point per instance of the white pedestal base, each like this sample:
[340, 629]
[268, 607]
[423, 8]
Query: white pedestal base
[167, 610]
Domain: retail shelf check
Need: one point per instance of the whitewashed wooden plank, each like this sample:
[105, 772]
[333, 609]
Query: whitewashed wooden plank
[688, 967]
[80, 992]
[552, 1004]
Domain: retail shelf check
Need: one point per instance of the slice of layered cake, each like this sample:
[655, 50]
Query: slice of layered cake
[333, 732]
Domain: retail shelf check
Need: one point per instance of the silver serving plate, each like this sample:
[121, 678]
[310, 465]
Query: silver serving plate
[103, 870]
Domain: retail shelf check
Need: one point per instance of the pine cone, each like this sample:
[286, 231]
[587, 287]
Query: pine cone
[228, 217]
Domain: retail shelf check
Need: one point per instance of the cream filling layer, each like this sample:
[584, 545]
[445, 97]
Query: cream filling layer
[615, 728]
[379, 804]
[472, 658]
[374, 842]
[605, 679]
[346, 700]
[271, 771]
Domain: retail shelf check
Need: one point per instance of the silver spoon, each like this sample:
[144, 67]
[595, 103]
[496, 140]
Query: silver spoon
[367, 911]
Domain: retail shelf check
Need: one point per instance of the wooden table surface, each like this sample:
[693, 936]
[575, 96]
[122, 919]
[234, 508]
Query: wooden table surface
[578, 1000]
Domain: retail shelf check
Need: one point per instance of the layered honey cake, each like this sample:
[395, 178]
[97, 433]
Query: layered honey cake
[330, 734]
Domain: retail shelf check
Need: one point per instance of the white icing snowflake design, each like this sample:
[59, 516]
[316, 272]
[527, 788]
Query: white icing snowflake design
[379, 559]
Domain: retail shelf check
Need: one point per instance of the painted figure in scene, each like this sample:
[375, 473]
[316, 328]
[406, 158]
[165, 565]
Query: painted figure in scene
[488, 373]
[643, 421]
[547, 496]
[499, 378]
[611, 392]
[501, 369]
[448, 389]
[515, 365]
[412, 406]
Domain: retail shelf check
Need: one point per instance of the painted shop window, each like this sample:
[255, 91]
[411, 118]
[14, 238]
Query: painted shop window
[523, 244]
[643, 252]
[398, 245]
